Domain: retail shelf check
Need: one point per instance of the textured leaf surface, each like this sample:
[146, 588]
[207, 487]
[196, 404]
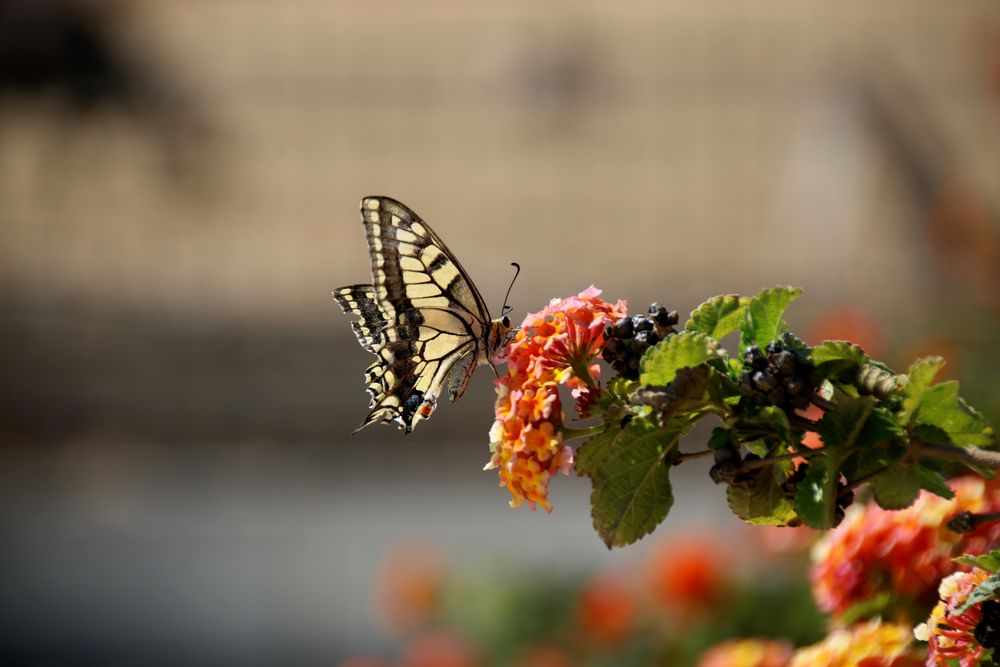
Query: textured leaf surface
[815, 497]
[687, 349]
[838, 350]
[760, 501]
[763, 323]
[896, 488]
[942, 407]
[920, 376]
[718, 316]
[631, 485]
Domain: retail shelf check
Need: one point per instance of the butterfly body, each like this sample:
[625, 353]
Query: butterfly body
[422, 317]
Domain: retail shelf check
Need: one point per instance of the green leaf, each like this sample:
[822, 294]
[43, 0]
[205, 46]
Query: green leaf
[590, 457]
[981, 593]
[989, 562]
[934, 481]
[919, 378]
[839, 361]
[759, 500]
[897, 487]
[900, 484]
[630, 478]
[863, 462]
[815, 497]
[721, 438]
[686, 349]
[840, 429]
[838, 350]
[776, 419]
[718, 316]
[941, 406]
[880, 427]
[842, 425]
[763, 323]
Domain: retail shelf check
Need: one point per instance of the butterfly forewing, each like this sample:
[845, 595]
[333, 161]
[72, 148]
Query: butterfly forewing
[421, 316]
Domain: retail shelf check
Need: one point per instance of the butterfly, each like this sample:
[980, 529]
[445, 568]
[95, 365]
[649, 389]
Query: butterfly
[422, 317]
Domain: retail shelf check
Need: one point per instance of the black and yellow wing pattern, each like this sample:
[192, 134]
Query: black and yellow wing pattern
[422, 317]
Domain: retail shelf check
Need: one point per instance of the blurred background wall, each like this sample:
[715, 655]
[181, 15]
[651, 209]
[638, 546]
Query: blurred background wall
[179, 185]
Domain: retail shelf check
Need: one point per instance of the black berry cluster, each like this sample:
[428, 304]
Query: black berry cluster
[777, 376]
[626, 340]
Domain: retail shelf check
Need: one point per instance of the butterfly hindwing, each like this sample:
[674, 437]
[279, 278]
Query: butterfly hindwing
[360, 300]
[422, 316]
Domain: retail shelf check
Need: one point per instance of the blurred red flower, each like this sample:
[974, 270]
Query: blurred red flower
[848, 323]
[605, 609]
[747, 653]
[686, 573]
[439, 649]
[783, 540]
[906, 552]
[408, 585]
[544, 656]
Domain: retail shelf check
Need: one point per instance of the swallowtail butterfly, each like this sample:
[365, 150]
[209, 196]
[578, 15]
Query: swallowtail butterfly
[422, 317]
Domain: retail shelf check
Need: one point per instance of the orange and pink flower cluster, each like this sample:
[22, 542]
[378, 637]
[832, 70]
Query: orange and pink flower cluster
[906, 552]
[950, 636]
[556, 346]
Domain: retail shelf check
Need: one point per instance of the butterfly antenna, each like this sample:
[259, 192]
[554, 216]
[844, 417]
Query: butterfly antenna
[506, 309]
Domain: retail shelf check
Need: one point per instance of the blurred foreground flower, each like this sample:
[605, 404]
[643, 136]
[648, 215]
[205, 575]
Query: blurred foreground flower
[904, 552]
[365, 661]
[951, 635]
[747, 653]
[544, 656]
[872, 644]
[686, 573]
[557, 345]
[606, 609]
[439, 650]
[408, 585]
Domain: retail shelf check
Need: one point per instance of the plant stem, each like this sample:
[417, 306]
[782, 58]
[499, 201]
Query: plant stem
[862, 480]
[821, 402]
[802, 422]
[973, 456]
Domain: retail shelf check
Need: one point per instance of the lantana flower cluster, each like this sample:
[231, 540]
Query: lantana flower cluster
[906, 552]
[871, 644]
[556, 346]
[747, 653]
[951, 635]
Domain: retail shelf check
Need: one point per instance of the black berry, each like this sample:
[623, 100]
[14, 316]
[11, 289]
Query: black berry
[776, 376]
[627, 339]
